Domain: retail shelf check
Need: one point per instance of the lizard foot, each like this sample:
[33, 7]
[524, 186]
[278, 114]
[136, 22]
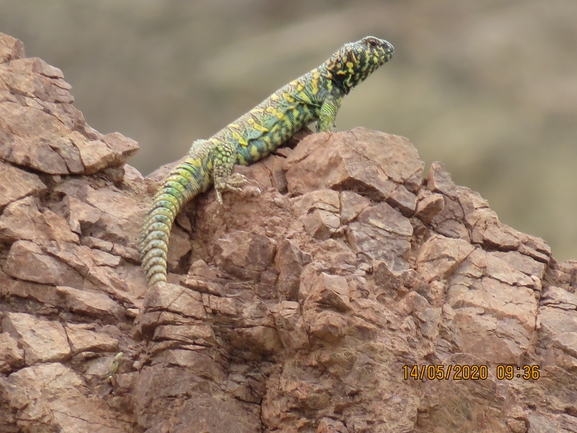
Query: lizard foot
[231, 183]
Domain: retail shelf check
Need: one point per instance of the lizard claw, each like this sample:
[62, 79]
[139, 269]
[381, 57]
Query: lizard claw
[231, 183]
[235, 180]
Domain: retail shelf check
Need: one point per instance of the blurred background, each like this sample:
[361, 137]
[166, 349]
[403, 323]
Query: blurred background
[489, 87]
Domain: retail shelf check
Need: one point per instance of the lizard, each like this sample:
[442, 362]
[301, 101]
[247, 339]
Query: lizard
[315, 96]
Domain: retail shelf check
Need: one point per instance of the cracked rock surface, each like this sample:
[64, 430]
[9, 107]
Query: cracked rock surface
[345, 290]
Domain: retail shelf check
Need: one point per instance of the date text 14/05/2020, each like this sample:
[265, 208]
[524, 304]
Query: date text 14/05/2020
[470, 372]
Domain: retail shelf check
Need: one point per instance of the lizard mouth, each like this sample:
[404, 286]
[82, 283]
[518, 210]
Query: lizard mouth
[389, 51]
[379, 48]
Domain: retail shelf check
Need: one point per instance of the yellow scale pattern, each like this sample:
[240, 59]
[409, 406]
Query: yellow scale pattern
[316, 95]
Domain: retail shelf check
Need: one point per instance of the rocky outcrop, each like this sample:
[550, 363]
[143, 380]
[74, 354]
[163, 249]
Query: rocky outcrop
[343, 291]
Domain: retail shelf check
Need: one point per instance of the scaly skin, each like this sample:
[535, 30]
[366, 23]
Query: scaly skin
[316, 95]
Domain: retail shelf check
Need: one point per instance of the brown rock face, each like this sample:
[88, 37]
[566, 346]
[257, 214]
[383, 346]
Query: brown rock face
[341, 292]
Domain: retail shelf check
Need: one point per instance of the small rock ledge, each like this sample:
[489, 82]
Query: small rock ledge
[301, 305]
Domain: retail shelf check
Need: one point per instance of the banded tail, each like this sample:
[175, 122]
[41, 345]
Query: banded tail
[184, 182]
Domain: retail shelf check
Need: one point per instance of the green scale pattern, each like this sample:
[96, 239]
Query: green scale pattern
[315, 96]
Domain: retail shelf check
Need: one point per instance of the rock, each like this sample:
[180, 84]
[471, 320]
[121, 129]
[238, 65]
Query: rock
[338, 292]
[27, 261]
[51, 397]
[87, 303]
[382, 233]
[83, 338]
[43, 131]
[429, 206]
[16, 183]
[389, 163]
[10, 48]
[42, 340]
[329, 291]
[289, 260]
[439, 257]
[23, 220]
[290, 325]
[11, 356]
[117, 213]
[352, 204]
[245, 255]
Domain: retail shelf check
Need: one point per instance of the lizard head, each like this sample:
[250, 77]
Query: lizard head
[355, 61]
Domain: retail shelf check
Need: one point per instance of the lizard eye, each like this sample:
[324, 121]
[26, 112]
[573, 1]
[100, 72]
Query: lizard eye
[372, 42]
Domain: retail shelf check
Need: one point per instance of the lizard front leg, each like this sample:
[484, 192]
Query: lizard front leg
[328, 114]
[224, 157]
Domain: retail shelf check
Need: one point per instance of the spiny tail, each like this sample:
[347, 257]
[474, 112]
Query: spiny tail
[184, 182]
